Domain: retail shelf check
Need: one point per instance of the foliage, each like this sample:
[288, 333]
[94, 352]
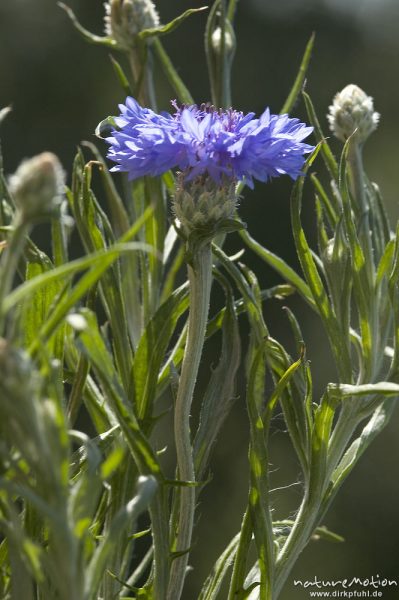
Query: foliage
[91, 349]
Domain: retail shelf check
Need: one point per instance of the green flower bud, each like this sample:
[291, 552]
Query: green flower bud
[352, 110]
[329, 256]
[37, 186]
[125, 19]
[202, 205]
[217, 41]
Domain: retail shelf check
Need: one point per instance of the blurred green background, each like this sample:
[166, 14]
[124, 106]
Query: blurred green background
[60, 88]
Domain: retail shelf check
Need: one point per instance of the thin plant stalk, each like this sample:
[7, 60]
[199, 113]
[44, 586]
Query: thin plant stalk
[200, 278]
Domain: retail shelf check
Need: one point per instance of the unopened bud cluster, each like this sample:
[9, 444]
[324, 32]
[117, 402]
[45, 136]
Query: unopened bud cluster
[37, 186]
[202, 205]
[352, 111]
[125, 19]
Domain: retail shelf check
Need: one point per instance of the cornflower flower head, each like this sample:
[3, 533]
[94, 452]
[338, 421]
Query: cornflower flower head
[212, 149]
[223, 144]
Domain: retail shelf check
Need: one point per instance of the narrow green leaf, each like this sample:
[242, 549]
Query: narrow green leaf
[338, 346]
[280, 387]
[329, 206]
[293, 394]
[152, 349]
[375, 425]
[321, 532]
[36, 308]
[240, 562]
[92, 344]
[393, 290]
[280, 266]
[259, 495]
[155, 232]
[86, 488]
[251, 305]
[146, 490]
[219, 395]
[120, 74]
[328, 156]
[87, 35]
[21, 583]
[214, 325]
[361, 284]
[169, 27]
[78, 389]
[300, 78]
[339, 275]
[385, 263]
[79, 290]
[378, 213]
[325, 534]
[323, 420]
[383, 388]
[172, 75]
[67, 270]
[119, 216]
[211, 587]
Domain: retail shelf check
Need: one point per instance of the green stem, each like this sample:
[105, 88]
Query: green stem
[358, 185]
[161, 546]
[313, 505]
[305, 523]
[200, 279]
[362, 210]
[140, 60]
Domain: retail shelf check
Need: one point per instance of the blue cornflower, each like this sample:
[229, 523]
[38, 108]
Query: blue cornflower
[206, 141]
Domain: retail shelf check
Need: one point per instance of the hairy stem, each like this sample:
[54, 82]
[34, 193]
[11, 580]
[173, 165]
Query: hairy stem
[305, 523]
[200, 278]
[313, 504]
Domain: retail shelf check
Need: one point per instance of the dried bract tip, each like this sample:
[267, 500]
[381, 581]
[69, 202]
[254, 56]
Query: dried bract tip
[202, 205]
[37, 186]
[125, 19]
[352, 110]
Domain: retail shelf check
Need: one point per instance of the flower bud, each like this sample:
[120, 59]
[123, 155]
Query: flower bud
[217, 41]
[334, 254]
[202, 205]
[352, 110]
[37, 186]
[124, 19]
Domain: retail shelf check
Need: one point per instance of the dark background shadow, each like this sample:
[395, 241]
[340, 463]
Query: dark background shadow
[60, 88]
